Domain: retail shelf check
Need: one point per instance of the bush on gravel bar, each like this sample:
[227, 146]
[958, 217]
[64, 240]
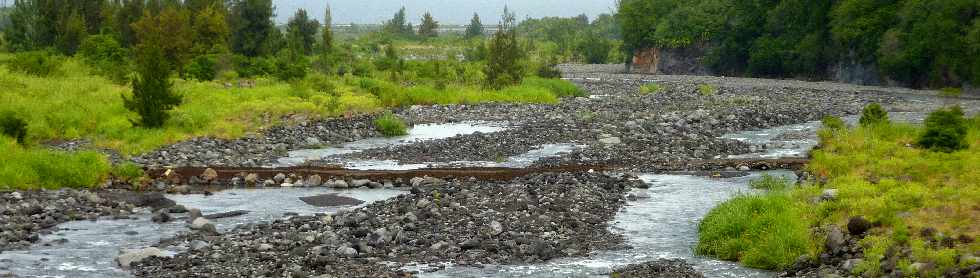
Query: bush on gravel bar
[389, 125]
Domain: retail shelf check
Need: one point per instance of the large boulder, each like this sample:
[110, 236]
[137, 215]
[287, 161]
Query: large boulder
[128, 257]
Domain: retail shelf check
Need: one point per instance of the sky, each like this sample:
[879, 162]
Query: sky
[444, 11]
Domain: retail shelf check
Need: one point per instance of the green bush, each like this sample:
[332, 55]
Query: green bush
[945, 131]
[251, 67]
[37, 63]
[873, 114]
[107, 56]
[13, 126]
[202, 68]
[127, 171]
[771, 183]
[707, 90]
[153, 95]
[389, 125]
[761, 231]
[650, 88]
[291, 66]
[833, 123]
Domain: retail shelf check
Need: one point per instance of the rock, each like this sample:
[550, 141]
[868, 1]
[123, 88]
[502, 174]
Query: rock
[251, 179]
[496, 228]
[129, 257]
[337, 184]
[851, 264]
[198, 223]
[226, 214]
[359, 183]
[15, 195]
[829, 194]
[279, 178]
[193, 213]
[470, 244]
[313, 142]
[177, 209]
[180, 189]
[857, 225]
[268, 183]
[161, 217]
[427, 181]
[209, 175]
[610, 141]
[347, 252]
[264, 247]
[197, 245]
[330, 200]
[638, 194]
[835, 239]
[439, 246]
[664, 268]
[744, 168]
[314, 180]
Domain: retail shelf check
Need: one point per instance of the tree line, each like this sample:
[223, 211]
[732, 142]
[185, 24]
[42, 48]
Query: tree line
[917, 43]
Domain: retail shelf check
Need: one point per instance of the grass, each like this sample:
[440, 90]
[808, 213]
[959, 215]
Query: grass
[390, 126]
[707, 90]
[650, 88]
[881, 176]
[771, 183]
[32, 168]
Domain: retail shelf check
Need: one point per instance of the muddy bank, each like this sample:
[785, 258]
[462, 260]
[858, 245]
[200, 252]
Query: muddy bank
[526, 220]
[24, 215]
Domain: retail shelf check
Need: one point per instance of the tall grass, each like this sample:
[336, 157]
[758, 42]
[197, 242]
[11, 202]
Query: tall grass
[31, 168]
[389, 125]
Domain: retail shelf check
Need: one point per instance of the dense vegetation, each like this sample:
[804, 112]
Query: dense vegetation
[134, 75]
[920, 43]
[920, 198]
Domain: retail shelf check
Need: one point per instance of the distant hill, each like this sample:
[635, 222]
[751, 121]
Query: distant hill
[445, 11]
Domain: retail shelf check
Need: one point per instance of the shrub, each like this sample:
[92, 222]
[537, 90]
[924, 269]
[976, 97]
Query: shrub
[202, 68]
[291, 66]
[549, 69]
[107, 56]
[873, 114]
[770, 183]
[707, 90]
[13, 126]
[764, 231]
[153, 96]
[127, 171]
[390, 126]
[945, 131]
[504, 56]
[37, 63]
[650, 88]
[833, 123]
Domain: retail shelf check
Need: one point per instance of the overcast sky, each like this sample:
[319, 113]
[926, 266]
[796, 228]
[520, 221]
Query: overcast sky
[445, 11]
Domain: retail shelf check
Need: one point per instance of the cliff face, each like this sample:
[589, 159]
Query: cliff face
[674, 61]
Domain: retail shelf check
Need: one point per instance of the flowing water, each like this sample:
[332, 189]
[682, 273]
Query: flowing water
[663, 226]
[92, 246]
[416, 134]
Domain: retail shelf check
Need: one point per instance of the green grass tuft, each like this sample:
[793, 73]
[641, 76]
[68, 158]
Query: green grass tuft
[650, 88]
[389, 125]
[771, 183]
[707, 90]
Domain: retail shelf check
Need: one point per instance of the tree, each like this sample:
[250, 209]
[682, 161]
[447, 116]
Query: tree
[327, 34]
[475, 29]
[24, 31]
[128, 12]
[398, 25]
[873, 114]
[946, 131]
[504, 56]
[170, 31]
[301, 32]
[252, 27]
[153, 96]
[210, 30]
[71, 33]
[429, 27]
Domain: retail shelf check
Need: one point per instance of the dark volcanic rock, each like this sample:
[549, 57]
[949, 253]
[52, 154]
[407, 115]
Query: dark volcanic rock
[658, 269]
[330, 200]
[526, 220]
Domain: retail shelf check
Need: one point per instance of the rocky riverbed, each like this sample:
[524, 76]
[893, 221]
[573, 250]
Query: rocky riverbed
[530, 219]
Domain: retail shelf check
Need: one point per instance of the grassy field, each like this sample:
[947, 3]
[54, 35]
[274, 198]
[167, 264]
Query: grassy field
[75, 103]
[881, 176]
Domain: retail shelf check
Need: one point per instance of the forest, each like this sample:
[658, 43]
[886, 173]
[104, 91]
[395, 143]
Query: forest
[916, 43]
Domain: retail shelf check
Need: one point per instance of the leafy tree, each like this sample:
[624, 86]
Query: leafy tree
[398, 25]
[327, 33]
[429, 27]
[946, 131]
[153, 96]
[504, 56]
[873, 114]
[24, 32]
[71, 34]
[170, 31]
[475, 29]
[302, 31]
[594, 48]
[252, 30]
[127, 13]
[211, 30]
[107, 56]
